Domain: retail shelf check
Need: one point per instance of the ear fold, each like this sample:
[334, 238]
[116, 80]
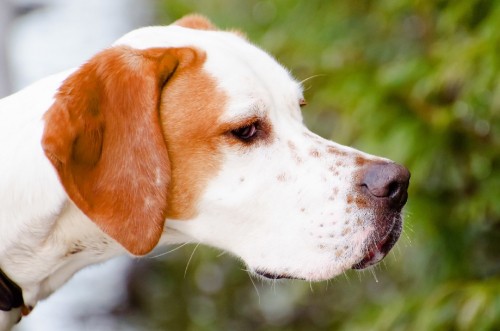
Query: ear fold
[103, 136]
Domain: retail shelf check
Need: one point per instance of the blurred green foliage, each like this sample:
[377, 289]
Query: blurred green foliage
[415, 81]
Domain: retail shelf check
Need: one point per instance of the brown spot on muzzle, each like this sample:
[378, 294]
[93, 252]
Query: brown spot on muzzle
[315, 153]
[361, 202]
[335, 151]
[358, 200]
[293, 150]
[282, 177]
[360, 161]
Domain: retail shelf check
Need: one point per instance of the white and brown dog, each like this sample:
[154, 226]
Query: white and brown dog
[181, 133]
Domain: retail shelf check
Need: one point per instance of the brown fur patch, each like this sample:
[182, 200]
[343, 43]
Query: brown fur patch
[361, 202]
[103, 136]
[190, 111]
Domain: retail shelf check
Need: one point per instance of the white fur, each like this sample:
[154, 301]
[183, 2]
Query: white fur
[274, 205]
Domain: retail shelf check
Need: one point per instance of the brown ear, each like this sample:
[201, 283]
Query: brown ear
[103, 136]
[195, 21]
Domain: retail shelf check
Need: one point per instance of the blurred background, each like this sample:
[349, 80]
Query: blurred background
[415, 81]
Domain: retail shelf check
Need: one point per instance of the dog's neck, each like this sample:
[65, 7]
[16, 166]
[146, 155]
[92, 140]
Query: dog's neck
[42, 264]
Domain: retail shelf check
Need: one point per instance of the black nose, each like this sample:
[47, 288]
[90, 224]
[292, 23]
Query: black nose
[387, 181]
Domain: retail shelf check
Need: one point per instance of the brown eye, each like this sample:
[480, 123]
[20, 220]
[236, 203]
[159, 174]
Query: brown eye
[245, 133]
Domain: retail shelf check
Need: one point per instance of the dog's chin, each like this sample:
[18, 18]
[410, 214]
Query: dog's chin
[380, 246]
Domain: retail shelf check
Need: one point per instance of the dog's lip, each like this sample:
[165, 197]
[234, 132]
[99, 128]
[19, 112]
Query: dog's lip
[274, 276]
[378, 251]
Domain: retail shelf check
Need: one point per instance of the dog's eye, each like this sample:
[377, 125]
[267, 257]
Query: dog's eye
[247, 132]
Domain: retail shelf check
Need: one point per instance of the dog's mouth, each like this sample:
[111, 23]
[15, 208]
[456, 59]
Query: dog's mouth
[378, 250]
[273, 276]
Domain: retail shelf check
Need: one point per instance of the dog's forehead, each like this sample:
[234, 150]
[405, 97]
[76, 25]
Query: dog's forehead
[253, 81]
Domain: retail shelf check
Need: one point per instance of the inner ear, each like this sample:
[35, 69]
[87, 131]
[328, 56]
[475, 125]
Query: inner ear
[104, 137]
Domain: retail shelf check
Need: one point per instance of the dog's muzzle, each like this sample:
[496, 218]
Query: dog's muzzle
[385, 187]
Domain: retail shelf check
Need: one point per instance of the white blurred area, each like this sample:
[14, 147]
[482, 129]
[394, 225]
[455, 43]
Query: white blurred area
[60, 34]
[39, 38]
[86, 302]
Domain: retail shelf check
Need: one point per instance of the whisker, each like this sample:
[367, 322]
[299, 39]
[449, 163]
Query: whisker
[407, 238]
[409, 227]
[168, 252]
[253, 283]
[372, 271]
[396, 253]
[311, 77]
[189, 261]
[221, 254]
[346, 277]
[359, 275]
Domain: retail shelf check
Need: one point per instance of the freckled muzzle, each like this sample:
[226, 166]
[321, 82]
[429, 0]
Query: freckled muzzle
[382, 187]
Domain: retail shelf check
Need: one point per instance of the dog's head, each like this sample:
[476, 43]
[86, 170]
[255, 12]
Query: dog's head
[200, 127]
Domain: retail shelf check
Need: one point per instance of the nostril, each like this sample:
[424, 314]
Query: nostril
[393, 188]
[386, 180]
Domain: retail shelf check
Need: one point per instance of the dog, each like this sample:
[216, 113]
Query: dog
[175, 134]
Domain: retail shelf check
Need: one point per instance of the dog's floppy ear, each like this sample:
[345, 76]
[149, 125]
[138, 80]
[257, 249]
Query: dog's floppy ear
[103, 135]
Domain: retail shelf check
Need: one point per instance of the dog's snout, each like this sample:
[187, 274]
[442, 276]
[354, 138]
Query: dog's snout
[386, 181]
